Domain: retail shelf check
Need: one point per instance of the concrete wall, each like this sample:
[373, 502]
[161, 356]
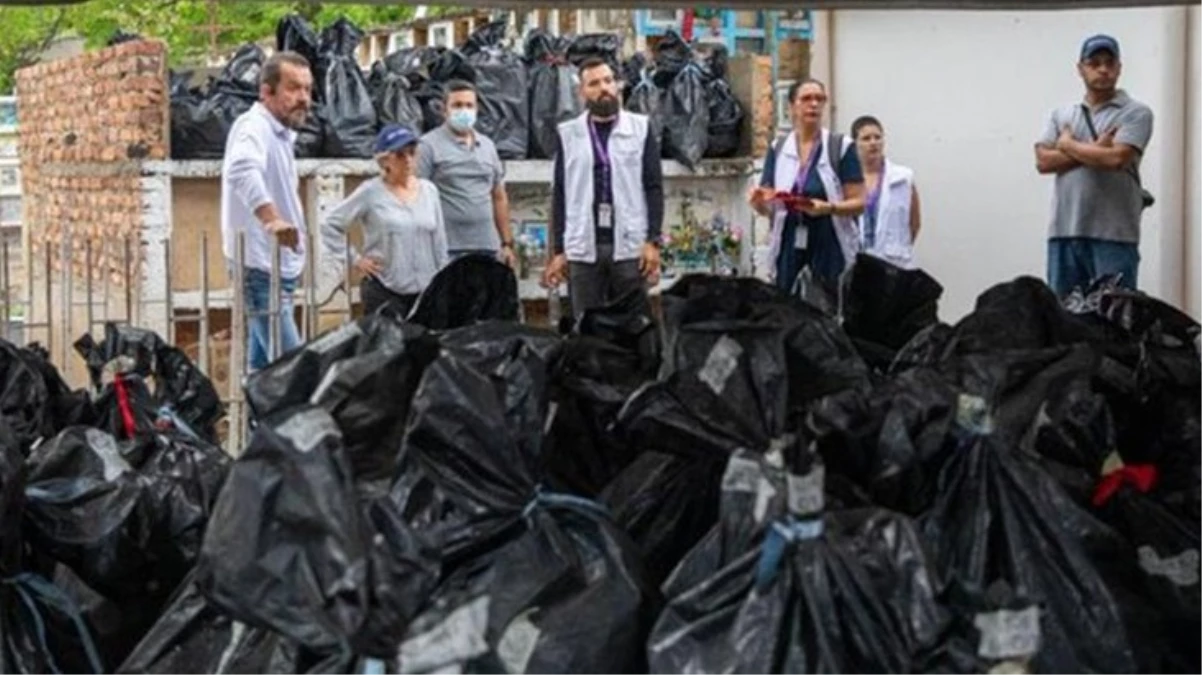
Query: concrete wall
[964, 95]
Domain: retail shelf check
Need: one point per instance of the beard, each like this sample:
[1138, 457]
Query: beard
[295, 118]
[605, 106]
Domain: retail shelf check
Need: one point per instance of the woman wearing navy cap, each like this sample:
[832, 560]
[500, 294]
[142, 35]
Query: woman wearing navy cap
[404, 240]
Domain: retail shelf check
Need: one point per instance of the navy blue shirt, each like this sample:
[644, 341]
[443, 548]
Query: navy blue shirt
[823, 252]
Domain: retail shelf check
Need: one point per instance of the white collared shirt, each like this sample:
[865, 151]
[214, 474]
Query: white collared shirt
[260, 168]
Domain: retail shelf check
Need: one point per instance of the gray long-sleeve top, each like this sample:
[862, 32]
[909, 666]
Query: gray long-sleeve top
[409, 240]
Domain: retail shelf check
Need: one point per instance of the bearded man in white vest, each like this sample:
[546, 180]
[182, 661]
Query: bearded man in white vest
[607, 205]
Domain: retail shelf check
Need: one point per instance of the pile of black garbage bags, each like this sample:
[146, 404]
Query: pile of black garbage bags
[829, 482]
[523, 96]
[105, 496]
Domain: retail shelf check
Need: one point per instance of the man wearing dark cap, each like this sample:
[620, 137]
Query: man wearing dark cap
[1094, 149]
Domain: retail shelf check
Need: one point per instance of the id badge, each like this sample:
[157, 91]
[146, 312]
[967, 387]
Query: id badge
[605, 216]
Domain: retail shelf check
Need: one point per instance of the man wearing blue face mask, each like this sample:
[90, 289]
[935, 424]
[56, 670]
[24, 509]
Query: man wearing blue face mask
[465, 167]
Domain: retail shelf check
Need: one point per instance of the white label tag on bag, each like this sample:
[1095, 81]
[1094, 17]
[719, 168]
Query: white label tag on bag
[1008, 634]
[742, 475]
[458, 638]
[721, 363]
[518, 642]
[605, 216]
[105, 447]
[308, 428]
[1181, 569]
[805, 492]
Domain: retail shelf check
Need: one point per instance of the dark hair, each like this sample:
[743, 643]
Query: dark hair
[271, 74]
[591, 63]
[456, 86]
[865, 121]
[796, 87]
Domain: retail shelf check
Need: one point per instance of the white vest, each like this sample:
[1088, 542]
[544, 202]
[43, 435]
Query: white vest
[893, 241]
[625, 148]
[787, 165]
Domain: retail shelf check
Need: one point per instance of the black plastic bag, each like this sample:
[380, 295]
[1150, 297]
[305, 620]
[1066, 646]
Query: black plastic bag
[126, 519]
[471, 289]
[741, 360]
[184, 396]
[725, 120]
[553, 91]
[34, 400]
[311, 136]
[502, 86]
[194, 637]
[290, 504]
[672, 54]
[1165, 546]
[85, 507]
[646, 98]
[368, 395]
[605, 46]
[294, 34]
[615, 351]
[291, 380]
[350, 116]
[394, 99]
[686, 116]
[820, 358]
[884, 306]
[428, 69]
[779, 586]
[1000, 520]
[554, 584]
[200, 124]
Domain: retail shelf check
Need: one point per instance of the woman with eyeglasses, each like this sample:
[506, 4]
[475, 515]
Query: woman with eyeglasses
[404, 240]
[813, 190]
[891, 218]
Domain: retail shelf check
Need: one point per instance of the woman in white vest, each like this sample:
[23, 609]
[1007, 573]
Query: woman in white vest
[813, 190]
[891, 220]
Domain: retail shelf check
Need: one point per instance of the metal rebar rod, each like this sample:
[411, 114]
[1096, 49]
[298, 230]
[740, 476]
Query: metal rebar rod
[274, 309]
[203, 327]
[168, 299]
[89, 270]
[129, 285]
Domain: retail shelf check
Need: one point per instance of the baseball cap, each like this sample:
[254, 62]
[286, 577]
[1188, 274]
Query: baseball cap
[394, 137]
[1099, 43]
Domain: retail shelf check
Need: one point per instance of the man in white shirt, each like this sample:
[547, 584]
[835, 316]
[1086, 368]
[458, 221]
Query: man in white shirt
[260, 200]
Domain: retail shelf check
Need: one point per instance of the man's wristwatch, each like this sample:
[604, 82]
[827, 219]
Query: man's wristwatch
[507, 244]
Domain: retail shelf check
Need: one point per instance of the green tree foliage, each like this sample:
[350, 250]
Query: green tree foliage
[182, 24]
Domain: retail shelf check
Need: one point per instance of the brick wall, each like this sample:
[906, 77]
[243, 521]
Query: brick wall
[85, 124]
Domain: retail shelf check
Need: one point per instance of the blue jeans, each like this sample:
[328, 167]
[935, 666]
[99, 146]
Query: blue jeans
[1076, 262]
[257, 286]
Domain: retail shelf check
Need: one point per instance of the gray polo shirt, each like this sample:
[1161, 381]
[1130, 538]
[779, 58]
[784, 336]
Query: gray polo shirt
[1095, 203]
[465, 175]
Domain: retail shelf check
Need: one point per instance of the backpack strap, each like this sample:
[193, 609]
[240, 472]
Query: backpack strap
[834, 151]
[779, 145]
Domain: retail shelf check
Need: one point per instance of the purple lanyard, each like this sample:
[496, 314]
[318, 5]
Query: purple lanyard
[803, 172]
[602, 153]
[874, 197]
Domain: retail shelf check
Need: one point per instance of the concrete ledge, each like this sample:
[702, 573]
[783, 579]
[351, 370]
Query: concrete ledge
[519, 171]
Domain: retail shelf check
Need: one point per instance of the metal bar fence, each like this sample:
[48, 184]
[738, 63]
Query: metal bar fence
[211, 322]
[58, 300]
